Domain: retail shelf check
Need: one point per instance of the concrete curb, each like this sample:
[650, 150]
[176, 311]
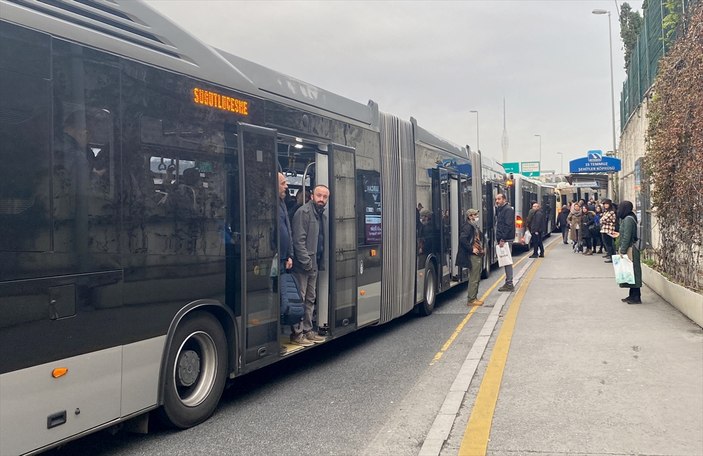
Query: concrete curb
[686, 301]
[444, 421]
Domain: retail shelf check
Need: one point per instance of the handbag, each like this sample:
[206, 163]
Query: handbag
[528, 237]
[624, 270]
[505, 257]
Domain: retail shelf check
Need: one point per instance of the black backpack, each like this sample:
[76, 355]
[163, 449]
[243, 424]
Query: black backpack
[292, 306]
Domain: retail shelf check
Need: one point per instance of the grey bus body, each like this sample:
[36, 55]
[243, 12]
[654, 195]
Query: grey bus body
[138, 216]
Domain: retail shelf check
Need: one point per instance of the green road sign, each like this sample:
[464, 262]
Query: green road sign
[530, 169]
[512, 167]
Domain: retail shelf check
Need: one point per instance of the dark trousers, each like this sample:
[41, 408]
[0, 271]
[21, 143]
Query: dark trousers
[608, 242]
[597, 241]
[537, 243]
[635, 293]
[565, 233]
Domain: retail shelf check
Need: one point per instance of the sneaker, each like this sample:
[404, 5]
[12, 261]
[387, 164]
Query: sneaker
[606, 255]
[532, 256]
[475, 302]
[313, 337]
[300, 339]
[542, 256]
[608, 261]
[507, 287]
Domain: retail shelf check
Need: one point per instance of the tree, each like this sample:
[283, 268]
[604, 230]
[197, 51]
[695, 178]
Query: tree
[630, 26]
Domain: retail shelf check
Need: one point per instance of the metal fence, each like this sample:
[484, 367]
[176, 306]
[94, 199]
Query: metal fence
[651, 46]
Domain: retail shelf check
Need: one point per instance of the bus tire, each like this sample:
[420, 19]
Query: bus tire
[196, 371]
[430, 292]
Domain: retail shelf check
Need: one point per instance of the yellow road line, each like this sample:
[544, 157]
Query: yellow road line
[466, 319]
[454, 335]
[476, 436]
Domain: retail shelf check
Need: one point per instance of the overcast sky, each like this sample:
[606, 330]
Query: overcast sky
[436, 61]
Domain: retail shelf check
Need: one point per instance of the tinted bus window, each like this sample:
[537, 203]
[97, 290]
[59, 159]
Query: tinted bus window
[25, 137]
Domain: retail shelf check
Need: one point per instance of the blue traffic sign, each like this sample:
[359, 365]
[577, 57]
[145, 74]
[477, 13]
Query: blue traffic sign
[594, 162]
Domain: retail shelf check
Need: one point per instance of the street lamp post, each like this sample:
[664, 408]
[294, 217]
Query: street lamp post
[612, 89]
[477, 144]
[540, 152]
[561, 155]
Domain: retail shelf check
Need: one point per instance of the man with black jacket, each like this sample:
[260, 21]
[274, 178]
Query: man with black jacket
[537, 227]
[505, 233]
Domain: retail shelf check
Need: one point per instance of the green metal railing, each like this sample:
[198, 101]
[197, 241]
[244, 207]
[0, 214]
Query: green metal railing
[644, 64]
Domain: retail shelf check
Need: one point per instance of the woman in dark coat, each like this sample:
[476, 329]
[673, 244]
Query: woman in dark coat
[628, 246]
[563, 223]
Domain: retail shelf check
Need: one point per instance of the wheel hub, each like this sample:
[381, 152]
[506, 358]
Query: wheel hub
[188, 367]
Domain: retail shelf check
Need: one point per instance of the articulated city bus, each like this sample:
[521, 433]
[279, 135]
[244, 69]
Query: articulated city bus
[138, 217]
[521, 193]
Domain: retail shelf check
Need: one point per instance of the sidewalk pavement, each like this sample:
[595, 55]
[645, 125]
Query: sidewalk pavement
[589, 374]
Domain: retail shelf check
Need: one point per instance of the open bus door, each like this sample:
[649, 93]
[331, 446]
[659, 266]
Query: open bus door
[342, 252]
[258, 200]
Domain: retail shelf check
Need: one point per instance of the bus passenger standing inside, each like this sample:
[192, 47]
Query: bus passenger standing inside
[470, 253]
[308, 246]
[505, 233]
[285, 254]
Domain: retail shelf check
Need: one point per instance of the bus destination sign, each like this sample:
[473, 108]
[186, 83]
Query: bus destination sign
[222, 102]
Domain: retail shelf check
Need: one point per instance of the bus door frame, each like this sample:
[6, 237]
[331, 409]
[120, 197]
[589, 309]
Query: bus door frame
[268, 351]
[336, 255]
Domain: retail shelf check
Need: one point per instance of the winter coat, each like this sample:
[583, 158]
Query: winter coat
[539, 223]
[628, 246]
[607, 222]
[505, 223]
[306, 229]
[574, 220]
[562, 218]
[586, 224]
[466, 242]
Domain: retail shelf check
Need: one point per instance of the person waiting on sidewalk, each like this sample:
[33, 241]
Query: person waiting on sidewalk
[596, 240]
[528, 221]
[574, 220]
[539, 226]
[628, 246]
[470, 254]
[308, 245]
[505, 234]
[586, 224]
[563, 223]
[607, 229]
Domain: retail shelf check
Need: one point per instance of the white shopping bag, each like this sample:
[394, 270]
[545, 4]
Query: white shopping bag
[505, 257]
[624, 269]
[528, 237]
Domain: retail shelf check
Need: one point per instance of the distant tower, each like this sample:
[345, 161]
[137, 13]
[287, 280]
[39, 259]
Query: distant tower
[504, 141]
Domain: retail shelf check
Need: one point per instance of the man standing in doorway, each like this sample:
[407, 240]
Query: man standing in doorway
[308, 245]
[505, 234]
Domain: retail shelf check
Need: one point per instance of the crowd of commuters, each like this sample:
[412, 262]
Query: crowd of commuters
[593, 227]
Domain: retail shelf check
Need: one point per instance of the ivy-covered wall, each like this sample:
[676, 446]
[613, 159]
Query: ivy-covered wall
[674, 157]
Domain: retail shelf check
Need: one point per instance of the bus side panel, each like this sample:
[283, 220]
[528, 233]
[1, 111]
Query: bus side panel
[38, 409]
[141, 362]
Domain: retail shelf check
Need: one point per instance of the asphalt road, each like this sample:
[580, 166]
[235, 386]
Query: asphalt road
[373, 392]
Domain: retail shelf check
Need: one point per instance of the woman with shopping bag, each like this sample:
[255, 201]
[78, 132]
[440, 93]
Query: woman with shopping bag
[628, 247]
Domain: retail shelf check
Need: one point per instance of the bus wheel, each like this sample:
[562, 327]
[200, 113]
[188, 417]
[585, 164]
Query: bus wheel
[196, 371]
[427, 305]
